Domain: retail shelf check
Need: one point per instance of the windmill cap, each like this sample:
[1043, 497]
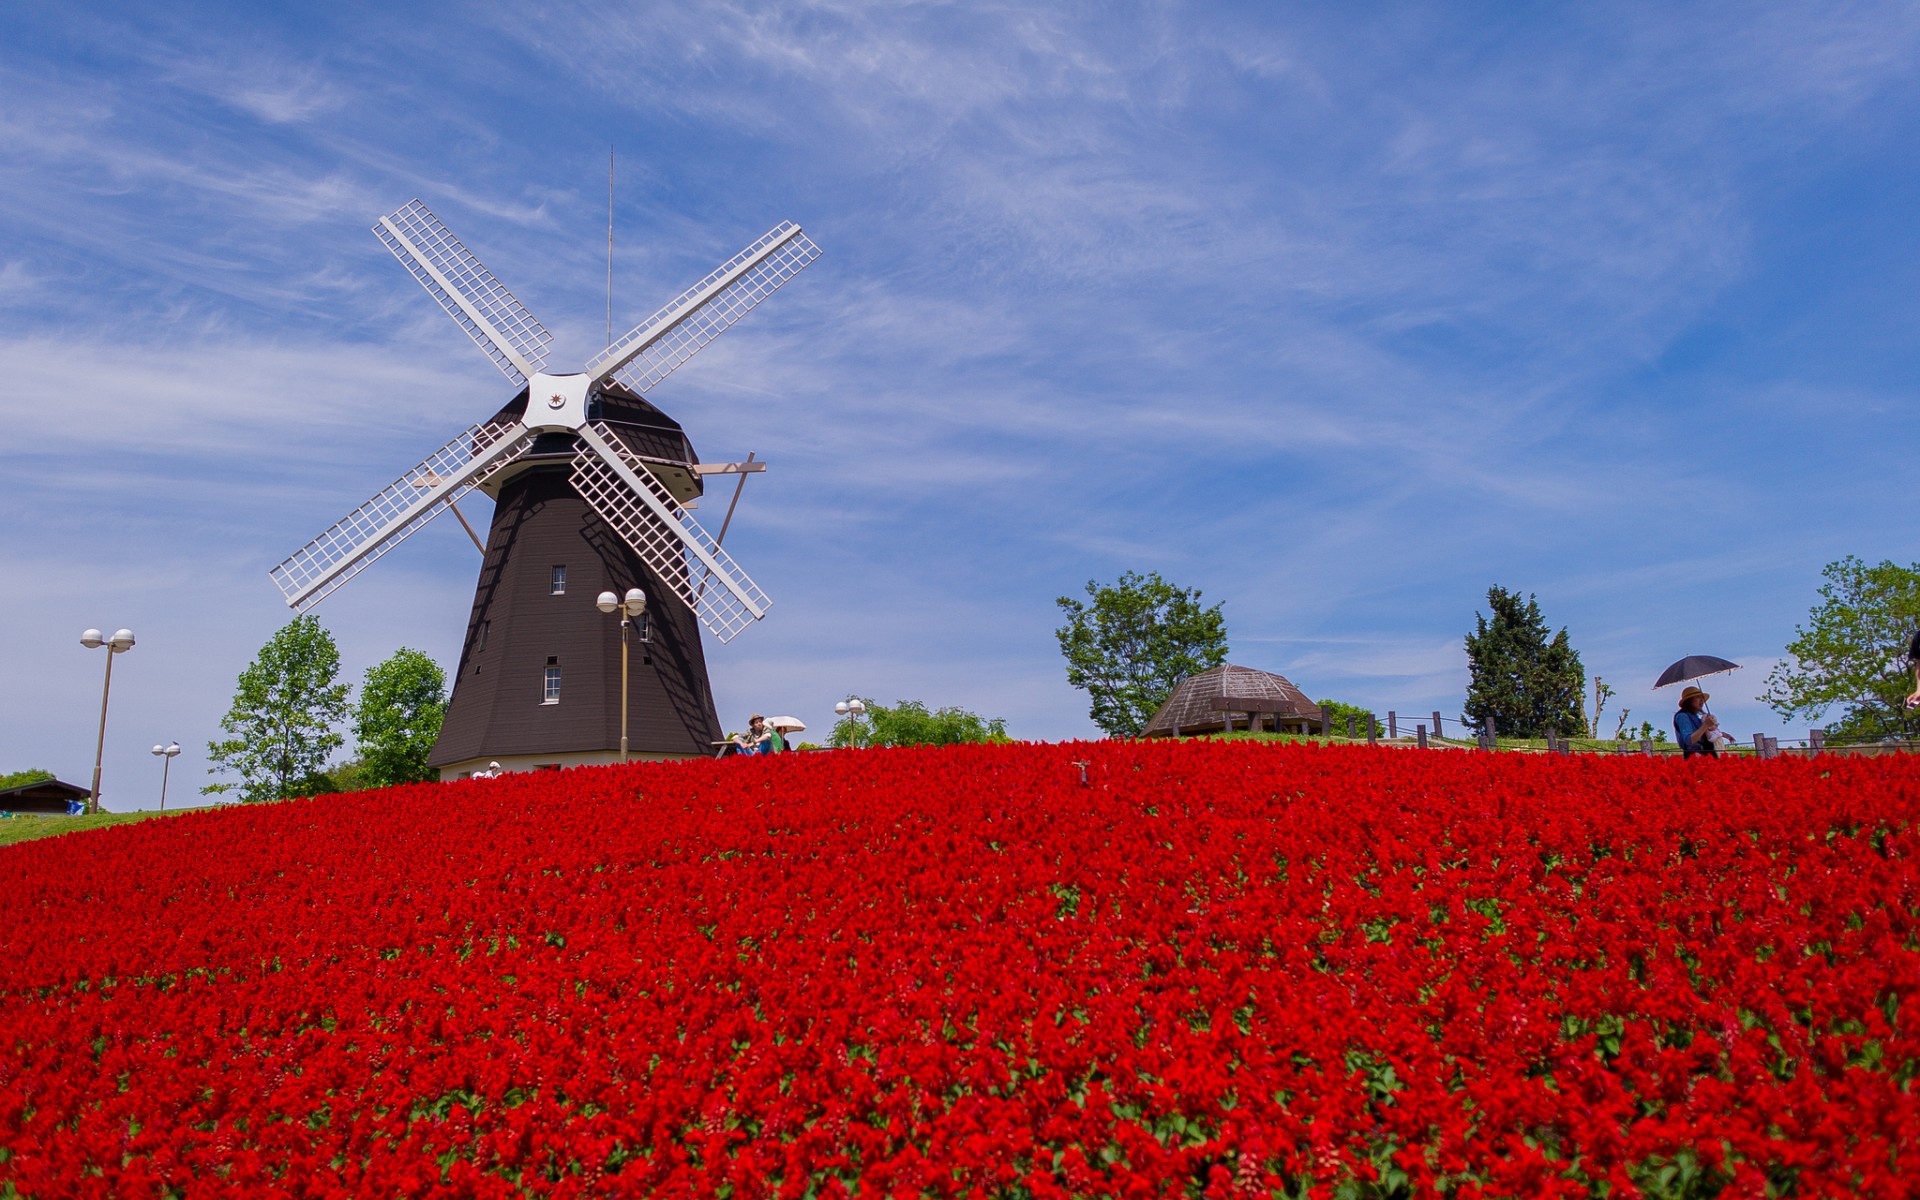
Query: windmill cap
[1691, 692]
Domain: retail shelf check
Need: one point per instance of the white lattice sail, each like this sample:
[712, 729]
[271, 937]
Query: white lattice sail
[653, 349]
[480, 304]
[644, 513]
[397, 510]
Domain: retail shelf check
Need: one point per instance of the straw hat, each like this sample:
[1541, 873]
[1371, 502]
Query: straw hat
[1690, 693]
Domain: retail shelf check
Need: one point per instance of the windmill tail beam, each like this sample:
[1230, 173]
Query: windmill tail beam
[395, 512]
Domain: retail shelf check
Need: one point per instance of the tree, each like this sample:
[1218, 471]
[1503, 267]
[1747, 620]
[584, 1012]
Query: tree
[909, 723]
[1530, 684]
[1337, 714]
[1854, 653]
[22, 778]
[345, 776]
[1138, 638]
[402, 702]
[1601, 694]
[283, 718]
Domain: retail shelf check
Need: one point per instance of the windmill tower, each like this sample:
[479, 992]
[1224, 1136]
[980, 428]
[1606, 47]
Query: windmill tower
[592, 487]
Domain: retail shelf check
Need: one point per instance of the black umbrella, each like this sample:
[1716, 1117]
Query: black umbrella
[1693, 666]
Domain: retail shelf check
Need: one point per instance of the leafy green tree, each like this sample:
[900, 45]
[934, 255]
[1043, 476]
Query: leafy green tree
[1529, 683]
[1853, 653]
[1337, 714]
[1138, 638]
[344, 776]
[909, 723]
[402, 702]
[283, 718]
[22, 778]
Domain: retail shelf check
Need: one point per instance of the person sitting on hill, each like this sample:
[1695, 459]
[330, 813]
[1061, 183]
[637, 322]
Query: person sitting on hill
[760, 737]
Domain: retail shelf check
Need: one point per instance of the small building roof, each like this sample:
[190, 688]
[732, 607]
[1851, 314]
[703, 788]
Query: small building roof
[44, 796]
[1199, 700]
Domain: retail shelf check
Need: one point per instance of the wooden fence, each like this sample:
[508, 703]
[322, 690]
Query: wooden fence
[1424, 736]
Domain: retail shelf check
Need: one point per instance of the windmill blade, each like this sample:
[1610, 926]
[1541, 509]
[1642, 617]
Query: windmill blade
[657, 346]
[646, 516]
[478, 303]
[397, 510]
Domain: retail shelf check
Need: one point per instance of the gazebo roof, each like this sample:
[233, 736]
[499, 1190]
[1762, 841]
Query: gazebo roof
[1198, 700]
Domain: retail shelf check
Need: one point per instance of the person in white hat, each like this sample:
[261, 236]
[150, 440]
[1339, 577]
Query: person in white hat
[760, 738]
[1693, 727]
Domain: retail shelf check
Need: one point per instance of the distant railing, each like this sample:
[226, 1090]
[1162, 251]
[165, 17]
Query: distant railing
[1368, 727]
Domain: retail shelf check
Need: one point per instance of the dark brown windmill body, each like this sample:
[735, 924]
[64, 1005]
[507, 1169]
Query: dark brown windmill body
[538, 683]
[592, 487]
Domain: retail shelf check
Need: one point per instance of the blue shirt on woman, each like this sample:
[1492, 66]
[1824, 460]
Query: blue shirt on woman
[1684, 725]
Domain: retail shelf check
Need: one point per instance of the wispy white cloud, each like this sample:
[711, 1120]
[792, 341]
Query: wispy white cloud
[269, 88]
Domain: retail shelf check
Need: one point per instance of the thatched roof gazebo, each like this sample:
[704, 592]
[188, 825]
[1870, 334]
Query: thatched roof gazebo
[1229, 697]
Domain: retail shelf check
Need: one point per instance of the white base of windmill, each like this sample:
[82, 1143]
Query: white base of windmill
[514, 764]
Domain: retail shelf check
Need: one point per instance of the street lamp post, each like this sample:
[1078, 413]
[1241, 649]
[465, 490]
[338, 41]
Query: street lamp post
[119, 643]
[852, 708]
[629, 607]
[166, 753]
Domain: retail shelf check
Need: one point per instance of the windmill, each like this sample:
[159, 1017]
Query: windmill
[592, 487]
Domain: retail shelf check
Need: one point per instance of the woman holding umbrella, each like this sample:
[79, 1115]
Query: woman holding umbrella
[1696, 729]
[1693, 727]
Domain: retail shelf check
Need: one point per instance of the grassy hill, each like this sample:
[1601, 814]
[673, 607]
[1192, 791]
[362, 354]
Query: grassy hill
[26, 828]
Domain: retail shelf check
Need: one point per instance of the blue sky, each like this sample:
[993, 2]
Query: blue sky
[1339, 315]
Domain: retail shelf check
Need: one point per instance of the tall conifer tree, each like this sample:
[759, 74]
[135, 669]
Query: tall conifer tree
[1530, 683]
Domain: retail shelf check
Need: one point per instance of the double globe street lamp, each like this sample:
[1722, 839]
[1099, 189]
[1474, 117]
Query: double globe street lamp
[852, 708]
[167, 754]
[119, 643]
[630, 606]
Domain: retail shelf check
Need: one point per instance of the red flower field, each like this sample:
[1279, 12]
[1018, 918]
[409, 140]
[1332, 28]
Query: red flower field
[1211, 969]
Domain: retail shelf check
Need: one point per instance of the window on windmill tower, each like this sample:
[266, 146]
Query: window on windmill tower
[641, 629]
[552, 683]
[559, 585]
